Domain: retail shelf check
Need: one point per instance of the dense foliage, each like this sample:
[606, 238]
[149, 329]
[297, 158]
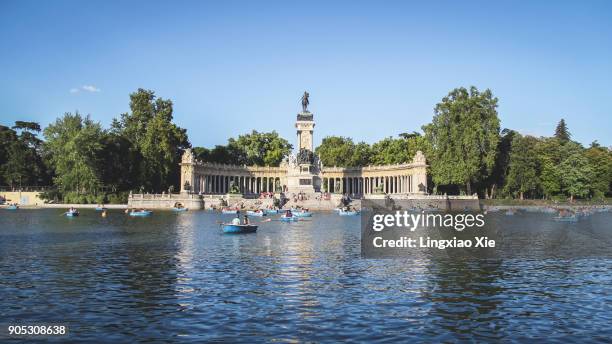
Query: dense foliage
[258, 149]
[84, 163]
[81, 162]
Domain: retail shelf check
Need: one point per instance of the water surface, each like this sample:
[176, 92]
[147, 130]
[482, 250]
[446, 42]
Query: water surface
[177, 278]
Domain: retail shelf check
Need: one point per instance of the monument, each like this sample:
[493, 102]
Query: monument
[303, 172]
[303, 168]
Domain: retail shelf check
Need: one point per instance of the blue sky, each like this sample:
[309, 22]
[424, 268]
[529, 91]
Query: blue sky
[373, 68]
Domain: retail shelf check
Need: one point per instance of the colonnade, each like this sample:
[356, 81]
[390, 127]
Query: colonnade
[370, 185]
[221, 184]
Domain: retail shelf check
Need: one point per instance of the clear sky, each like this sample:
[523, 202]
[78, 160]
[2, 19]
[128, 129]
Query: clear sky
[373, 68]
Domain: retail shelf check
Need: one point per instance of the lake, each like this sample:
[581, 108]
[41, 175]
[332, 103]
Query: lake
[177, 278]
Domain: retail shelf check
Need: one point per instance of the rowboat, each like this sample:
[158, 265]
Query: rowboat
[348, 212]
[572, 218]
[12, 207]
[302, 214]
[72, 213]
[179, 209]
[229, 211]
[100, 208]
[255, 213]
[237, 229]
[271, 211]
[141, 213]
[286, 218]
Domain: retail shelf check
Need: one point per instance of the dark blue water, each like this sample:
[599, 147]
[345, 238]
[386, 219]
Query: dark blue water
[177, 278]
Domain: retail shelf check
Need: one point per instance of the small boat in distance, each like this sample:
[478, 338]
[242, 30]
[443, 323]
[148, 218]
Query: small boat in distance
[178, 206]
[229, 211]
[566, 216]
[142, 212]
[271, 211]
[348, 212]
[12, 207]
[302, 213]
[256, 213]
[238, 229]
[286, 218]
[72, 213]
[100, 207]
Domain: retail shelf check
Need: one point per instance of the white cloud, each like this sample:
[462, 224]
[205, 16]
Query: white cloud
[88, 88]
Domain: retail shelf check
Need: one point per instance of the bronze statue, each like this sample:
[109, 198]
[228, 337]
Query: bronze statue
[305, 102]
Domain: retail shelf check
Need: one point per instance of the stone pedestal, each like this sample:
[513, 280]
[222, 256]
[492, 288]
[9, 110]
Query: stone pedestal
[303, 178]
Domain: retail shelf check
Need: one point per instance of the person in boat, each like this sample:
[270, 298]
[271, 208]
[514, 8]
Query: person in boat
[236, 220]
[245, 220]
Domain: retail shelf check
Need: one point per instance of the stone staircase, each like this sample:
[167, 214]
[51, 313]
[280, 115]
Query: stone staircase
[250, 204]
[315, 202]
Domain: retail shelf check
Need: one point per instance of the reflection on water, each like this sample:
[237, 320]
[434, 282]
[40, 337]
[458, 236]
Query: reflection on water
[176, 277]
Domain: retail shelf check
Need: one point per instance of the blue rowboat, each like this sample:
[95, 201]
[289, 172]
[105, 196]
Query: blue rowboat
[12, 207]
[302, 214]
[141, 213]
[100, 208]
[229, 211]
[72, 213]
[237, 229]
[271, 211]
[179, 209]
[572, 218]
[348, 213]
[288, 218]
[255, 213]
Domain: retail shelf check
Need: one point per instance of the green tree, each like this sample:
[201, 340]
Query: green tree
[338, 151]
[497, 178]
[523, 166]
[155, 137]
[600, 160]
[397, 151]
[575, 170]
[23, 164]
[74, 144]
[260, 149]
[561, 132]
[463, 137]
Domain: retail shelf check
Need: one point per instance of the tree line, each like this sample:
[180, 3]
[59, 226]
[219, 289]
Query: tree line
[468, 153]
[82, 162]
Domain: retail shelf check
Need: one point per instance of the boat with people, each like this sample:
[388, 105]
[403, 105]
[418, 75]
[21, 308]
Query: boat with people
[238, 229]
[566, 216]
[288, 217]
[348, 212]
[571, 218]
[100, 207]
[302, 213]
[179, 207]
[229, 211]
[271, 211]
[14, 206]
[72, 212]
[141, 212]
[256, 213]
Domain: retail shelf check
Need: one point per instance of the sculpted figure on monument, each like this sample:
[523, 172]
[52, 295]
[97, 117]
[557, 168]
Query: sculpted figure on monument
[305, 101]
[305, 157]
